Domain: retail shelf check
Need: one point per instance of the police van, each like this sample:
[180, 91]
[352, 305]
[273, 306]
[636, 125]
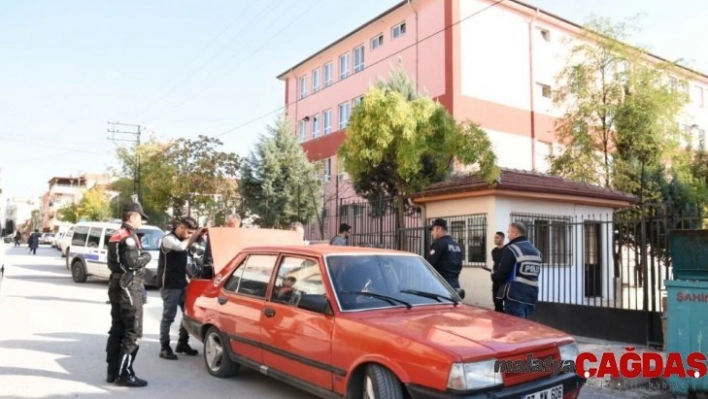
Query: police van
[87, 253]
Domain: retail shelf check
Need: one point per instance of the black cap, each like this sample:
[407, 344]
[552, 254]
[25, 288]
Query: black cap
[344, 227]
[137, 208]
[439, 222]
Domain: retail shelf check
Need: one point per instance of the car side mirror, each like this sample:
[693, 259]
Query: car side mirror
[461, 293]
[315, 302]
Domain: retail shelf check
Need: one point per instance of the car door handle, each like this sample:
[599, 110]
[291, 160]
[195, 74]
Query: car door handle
[221, 300]
[268, 312]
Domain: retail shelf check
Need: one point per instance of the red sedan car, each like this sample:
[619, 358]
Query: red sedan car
[365, 323]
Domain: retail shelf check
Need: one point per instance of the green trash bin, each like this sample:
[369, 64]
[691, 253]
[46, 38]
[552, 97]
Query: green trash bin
[687, 330]
[689, 254]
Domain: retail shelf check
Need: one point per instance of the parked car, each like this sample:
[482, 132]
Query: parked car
[88, 250]
[362, 322]
[46, 238]
[66, 241]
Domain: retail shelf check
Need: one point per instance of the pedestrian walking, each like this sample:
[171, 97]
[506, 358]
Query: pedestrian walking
[496, 258]
[172, 280]
[126, 261]
[445, 254]
[518, 273]
[33, 242]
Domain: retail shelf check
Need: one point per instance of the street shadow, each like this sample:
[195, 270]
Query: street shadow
[42, 268]
[56, 298]
[80, 358]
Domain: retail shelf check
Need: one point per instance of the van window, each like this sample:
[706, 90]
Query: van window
[107, 238]
[150, 239]
[80, 235]
[94, 238]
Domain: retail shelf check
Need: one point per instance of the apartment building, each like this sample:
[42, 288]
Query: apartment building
[487, 61]
[64, 191]
[19, 210]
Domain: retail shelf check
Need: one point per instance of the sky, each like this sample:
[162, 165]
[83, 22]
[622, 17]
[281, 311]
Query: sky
[68, 67]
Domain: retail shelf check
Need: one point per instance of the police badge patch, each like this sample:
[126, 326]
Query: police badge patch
[130, 241]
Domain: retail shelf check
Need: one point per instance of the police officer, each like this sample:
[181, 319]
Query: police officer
[127, 261]
[445, 254]
[518, 273]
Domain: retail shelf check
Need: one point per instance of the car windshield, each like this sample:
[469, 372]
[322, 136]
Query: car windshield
[151, 239]
[362, 281]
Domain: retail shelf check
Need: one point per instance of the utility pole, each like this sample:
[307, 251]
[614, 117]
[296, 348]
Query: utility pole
[134, 131]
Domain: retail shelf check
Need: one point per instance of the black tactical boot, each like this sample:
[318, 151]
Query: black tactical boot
[183, 347]
[125, 377]
[166, 353]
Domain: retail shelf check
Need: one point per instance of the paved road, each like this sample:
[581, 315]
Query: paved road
[53, 336]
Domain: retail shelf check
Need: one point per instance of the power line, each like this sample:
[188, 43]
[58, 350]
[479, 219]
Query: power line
[230, 69]
[51, 146]
[257, 19]
[135, 131]
[368, 66]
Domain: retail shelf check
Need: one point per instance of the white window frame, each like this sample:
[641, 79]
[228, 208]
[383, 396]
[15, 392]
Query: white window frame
[356, 101]
[316, 80]
[398, 30]
[543, 87]
[327, 121]
[344, 61]
[343, 122]
[302, 130]
[326, 169]
[327, 68]
[303, 87]
[377, 41]
[359, 58]
[315, 125]
[565, 258]
[342, 175]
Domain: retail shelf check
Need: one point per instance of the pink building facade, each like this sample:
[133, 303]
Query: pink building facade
[494, 63]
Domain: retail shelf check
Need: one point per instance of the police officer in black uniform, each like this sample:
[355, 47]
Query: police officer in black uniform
[445, 254]
[127, 261]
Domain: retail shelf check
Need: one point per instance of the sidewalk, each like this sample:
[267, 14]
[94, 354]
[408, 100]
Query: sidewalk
[623, 387]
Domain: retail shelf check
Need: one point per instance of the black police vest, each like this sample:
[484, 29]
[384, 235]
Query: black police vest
[528, 263]
[172, 268]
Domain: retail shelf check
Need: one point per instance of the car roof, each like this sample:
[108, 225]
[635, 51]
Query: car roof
[325, 250]
[113, 225]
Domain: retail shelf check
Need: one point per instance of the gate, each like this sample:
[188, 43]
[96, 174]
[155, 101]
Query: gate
[603, 276]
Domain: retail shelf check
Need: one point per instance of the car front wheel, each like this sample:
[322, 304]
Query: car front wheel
[216, 358]
[380, 383]
[78, 273]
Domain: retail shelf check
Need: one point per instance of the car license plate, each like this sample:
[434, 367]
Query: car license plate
[551, 393]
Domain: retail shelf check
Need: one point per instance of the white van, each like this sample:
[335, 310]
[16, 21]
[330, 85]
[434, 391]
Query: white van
[87, 253]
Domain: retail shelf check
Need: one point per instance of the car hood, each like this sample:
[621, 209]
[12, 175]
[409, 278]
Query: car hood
[468, 332]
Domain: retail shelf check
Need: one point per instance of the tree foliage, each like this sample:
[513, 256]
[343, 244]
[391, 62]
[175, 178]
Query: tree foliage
[399, 142]
[94, 206]
[278, 183]
[177, 174]
[615, 104]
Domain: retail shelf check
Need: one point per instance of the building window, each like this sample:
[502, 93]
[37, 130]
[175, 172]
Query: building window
[697, 96]
[356, 101]
[343, 66]
[398, 30]
[377, 42]
[550, 234]
[303, 87]
[545, 90]
[327, 116]
[315, 126]
[545, 34]
[342, 175]
[315, 80]
[302, 131]
[328, 74]
[359, 59]
[343, 115]
[326, 169]
[470, 231]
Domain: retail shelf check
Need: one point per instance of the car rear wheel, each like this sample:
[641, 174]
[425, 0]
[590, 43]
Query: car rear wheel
[380, 383]
[78, 273]
[216, 358]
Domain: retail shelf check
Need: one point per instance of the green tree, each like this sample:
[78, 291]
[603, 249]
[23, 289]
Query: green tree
[399, 142]
[278, 183]
[94, 206]
[607, 83]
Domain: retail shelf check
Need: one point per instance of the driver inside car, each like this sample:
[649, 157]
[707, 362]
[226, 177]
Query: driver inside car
[285, 292]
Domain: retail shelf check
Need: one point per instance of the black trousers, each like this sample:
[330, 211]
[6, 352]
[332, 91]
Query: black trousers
[498, 303]
[126, 322]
